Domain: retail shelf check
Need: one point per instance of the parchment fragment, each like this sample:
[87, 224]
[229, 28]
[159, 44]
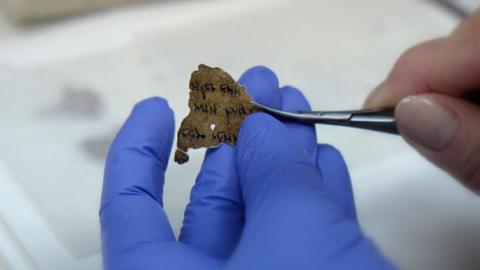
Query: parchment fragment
[218, 105]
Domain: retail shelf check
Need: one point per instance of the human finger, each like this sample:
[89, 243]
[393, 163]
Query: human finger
[215, 202]
[446, 130]
[336, 179]
[449, 66]
[131, 208]
[291, 223]
[293, 101]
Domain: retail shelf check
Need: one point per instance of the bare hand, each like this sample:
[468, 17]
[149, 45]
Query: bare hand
[433, 86]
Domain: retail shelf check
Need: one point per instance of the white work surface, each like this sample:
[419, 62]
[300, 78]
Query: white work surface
[66, 87]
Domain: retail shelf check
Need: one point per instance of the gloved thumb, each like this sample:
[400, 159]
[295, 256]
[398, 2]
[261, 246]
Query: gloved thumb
[446, 130]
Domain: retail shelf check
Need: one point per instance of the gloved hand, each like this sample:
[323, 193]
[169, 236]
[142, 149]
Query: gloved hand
[275, 201]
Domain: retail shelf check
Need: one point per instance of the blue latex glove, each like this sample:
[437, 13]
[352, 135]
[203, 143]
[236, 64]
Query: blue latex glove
[275, 201]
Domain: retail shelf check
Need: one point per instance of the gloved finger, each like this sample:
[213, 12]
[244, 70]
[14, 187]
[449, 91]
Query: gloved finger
[336, 179]
[131, 208]
[266, 151]
[215, 202]
[329, 161]
[163, 255]
[292, 101]
[214, 216]
[290, 221]
[262, 85]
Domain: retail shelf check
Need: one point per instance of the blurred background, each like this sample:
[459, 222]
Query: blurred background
[70, 72]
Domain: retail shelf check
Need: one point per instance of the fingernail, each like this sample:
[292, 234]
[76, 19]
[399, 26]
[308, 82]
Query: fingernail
[426, 122]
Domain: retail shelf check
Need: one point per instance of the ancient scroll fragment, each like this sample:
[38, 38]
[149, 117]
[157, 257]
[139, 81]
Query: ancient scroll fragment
[218, 105]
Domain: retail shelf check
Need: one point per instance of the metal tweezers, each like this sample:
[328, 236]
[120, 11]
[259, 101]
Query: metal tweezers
[371, 119]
